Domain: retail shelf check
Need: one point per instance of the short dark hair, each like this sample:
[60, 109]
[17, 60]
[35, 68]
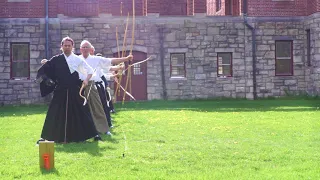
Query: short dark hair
[67, 39]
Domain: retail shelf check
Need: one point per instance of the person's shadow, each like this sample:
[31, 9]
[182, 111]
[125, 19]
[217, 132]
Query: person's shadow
[89, 147]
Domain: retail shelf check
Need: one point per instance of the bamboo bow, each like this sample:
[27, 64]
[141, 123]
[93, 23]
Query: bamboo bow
[128, 69]
[125, 92]
[136, 63]
[131, 48]
[123, 52]
[84, 98]
[81, 89]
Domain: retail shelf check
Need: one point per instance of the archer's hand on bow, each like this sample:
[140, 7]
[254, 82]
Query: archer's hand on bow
[43, 61]
[121, 67]
[130, 57]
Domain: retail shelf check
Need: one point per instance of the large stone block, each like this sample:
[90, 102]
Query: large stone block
[170, 37]
[263, 47]
[29, 29]
[240, 89]
[269, 32]
[6, 91]
[213, 31]
[10, 33]
[3, 85]
[200, 76]
[76, 36]
[4, 75]
[93, 33]
[172, 86]
[290, 82]
[34, 54]
[78, 29]
[189, 24]
[229, 87]
[198, 53]
[293, 32]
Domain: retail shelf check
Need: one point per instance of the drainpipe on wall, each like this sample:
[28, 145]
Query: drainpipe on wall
[254, 58]
[164, 87]
[47, 28]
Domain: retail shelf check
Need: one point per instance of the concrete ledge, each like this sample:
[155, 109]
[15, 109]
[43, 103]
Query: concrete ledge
[105, 15]
[277, 19]
[19, 0]
[178, 50]
[134, 48]
[200, 15]
[153, 15]
[21, 21]
[177, 78]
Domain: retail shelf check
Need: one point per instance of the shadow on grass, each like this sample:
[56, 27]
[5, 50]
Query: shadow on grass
[51, 171]
[284, 105]
[210, 105]
[91, 148]
[110, 139]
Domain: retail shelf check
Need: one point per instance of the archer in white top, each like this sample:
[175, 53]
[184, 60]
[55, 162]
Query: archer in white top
[101, 65]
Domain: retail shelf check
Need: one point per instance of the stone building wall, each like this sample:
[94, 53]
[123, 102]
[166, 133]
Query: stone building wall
[20, 30]
[200, 38]
[268, 84]
[313, 72]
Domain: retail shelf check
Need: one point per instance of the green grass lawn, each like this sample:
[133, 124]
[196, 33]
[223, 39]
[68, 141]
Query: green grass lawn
[216, 139]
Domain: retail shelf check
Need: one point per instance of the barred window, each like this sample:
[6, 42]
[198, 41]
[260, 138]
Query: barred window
[177, 65]
[20, 61]
[284, 58]
[137, 69]
[224, 64]
[218, 5]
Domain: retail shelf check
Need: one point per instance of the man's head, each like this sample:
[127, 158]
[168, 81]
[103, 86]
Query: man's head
[85, 48]
[67, 45]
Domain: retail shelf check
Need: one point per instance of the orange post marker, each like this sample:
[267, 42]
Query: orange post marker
[46, 155]
[46, 161]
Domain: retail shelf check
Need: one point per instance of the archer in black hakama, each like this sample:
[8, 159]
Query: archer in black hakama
[67, 119]
[111, 107]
